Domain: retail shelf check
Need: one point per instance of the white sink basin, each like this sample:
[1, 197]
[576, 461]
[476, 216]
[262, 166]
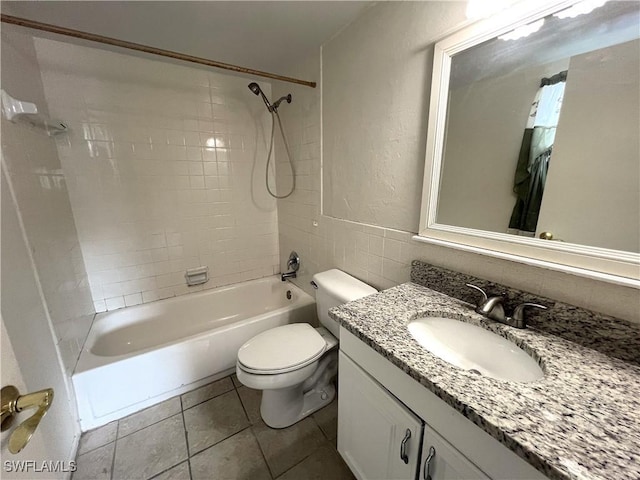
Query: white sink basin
[473, 348]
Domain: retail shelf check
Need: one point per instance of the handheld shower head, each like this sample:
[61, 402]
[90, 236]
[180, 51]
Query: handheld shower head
[255, 88]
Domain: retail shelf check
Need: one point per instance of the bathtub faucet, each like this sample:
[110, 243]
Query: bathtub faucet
[293, 264]
[284, 276]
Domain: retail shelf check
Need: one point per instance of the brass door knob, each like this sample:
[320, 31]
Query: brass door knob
[549, 236]
[12, 402]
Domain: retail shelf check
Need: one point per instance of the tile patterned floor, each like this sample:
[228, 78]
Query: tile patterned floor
[213, 432]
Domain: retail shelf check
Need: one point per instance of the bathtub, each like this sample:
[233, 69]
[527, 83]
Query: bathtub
[139, 356]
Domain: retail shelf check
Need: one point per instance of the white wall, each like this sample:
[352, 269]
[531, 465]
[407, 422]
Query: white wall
[29, 353]
[592, 194]
[150, 196]
[381, 255]
[377, 82]
[34, 170]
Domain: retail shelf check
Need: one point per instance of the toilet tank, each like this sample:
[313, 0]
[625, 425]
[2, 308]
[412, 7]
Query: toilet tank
[335, 288]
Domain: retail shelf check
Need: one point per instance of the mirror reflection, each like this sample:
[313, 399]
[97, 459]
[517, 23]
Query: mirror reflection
[543, 131]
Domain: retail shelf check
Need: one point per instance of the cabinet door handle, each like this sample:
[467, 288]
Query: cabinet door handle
[427, 463]
[403, 447]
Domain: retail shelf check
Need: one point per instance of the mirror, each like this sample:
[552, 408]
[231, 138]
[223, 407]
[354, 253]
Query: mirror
[533, 148]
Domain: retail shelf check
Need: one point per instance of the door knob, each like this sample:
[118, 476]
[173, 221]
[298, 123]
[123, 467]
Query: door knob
[12, 402]
[549, 236]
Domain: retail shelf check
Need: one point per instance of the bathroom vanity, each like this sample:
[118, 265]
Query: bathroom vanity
[405, 412]
[375, 414]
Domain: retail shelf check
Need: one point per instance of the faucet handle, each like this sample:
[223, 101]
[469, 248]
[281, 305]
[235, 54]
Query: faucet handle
[293, 263]
[518, 313]
[484, 294]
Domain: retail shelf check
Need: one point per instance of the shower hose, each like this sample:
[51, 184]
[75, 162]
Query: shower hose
[275, 114]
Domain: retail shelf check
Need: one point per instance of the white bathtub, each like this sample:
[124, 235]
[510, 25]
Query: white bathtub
[138, 356]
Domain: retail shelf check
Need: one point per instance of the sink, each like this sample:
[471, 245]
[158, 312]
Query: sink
[475, 349]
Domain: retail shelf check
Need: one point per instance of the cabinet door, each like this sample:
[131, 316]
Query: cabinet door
[441, 461]
[372, 426]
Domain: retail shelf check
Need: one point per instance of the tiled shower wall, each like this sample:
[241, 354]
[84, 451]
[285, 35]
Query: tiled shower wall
[165, 167]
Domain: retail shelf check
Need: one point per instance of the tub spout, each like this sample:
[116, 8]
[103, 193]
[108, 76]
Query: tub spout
[286, 275]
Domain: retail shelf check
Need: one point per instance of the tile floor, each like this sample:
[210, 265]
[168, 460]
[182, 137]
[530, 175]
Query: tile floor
[213, 432]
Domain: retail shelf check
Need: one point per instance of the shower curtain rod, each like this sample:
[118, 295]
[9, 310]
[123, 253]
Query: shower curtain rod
[46, 27]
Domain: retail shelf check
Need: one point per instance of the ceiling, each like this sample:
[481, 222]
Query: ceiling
[263, 35]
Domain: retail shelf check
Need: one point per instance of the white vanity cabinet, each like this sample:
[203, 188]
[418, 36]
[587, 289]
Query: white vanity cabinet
[441, 461]
[378, 436]
[378, 403]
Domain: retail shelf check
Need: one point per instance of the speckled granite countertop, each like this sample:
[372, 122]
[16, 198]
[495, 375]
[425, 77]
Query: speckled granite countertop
[582, 420]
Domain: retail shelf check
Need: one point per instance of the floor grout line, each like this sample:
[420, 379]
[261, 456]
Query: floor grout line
[186, 438]
[206, 399]
[115, 447]
[264, 457]
[253, 434]
[147, 426]
[246, 413]
[94, 449]
[219, 442]
[167, 469]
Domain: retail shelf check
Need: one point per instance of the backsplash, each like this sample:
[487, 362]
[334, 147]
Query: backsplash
[165, 169]
[611, 336]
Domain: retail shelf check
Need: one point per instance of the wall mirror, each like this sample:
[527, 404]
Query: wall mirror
[533, 147]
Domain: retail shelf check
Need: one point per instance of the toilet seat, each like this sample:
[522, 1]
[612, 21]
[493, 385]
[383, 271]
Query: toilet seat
[281, 350]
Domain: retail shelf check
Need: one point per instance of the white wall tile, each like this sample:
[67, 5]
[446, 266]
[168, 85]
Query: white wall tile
[133, 299]
[114, 303]
[149, 195]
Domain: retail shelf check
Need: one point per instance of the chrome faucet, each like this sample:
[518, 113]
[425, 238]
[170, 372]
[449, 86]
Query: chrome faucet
[293, 263]
[493, 308]
[286, 275]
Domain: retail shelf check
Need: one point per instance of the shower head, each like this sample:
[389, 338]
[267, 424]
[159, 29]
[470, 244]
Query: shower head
[255, 88]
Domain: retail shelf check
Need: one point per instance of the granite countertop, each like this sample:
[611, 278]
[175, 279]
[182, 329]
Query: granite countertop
[581, 420]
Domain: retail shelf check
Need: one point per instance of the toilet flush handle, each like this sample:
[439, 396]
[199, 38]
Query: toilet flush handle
[314, 284]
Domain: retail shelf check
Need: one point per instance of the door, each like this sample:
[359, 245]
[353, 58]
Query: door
[591, 196]
[378, 436]
[441, 461]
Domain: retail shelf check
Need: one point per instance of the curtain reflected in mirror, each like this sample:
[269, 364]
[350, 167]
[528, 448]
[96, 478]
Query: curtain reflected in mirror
[535, 154]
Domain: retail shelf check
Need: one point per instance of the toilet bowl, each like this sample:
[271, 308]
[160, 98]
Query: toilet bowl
[295, 365]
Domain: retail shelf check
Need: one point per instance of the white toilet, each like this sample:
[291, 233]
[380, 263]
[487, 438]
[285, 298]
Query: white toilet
[295, 364]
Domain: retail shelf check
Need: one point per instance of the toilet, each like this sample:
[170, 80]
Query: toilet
[295, 364]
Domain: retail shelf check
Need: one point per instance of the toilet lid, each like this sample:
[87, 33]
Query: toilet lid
[282, 349]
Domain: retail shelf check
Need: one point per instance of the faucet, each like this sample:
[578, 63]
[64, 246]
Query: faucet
[293, 263]
[286, 275]
[493, 308]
